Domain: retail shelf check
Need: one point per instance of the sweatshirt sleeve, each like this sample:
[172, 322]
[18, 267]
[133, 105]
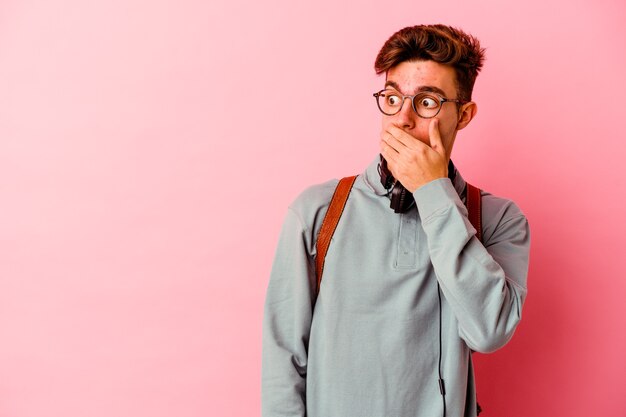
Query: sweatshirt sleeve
[485, 285]
[286, 323]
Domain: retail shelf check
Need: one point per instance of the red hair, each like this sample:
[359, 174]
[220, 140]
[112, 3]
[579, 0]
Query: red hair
[442, 44]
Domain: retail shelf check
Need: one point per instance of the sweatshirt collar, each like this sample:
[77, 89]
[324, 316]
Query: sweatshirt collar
[372, 178]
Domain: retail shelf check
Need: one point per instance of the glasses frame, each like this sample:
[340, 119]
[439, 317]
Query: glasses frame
[442, 100]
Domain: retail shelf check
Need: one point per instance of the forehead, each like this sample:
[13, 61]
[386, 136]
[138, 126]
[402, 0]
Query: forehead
[411, 75]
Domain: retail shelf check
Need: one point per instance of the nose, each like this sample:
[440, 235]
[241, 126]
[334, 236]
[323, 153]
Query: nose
[405, 118]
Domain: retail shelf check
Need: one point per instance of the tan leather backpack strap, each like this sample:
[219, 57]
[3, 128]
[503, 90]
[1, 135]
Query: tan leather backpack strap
[474, 209]
[329, 224]
[473, 201]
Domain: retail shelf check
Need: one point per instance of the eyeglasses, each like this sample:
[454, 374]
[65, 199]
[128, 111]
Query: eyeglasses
[425, 104]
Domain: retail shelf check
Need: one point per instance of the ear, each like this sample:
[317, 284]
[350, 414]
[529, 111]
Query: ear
[466, 114]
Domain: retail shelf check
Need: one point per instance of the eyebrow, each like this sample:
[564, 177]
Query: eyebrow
[423, 88]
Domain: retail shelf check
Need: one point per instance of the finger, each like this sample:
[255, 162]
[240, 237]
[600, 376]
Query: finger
[388, 153]
[390, 140]
[435, 138]
[401, 136]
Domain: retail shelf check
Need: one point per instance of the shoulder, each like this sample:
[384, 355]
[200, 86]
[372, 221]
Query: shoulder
[312, 203]
[499, 213]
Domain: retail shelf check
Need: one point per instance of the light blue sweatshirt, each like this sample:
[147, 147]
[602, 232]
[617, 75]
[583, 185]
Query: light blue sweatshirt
[369, 345]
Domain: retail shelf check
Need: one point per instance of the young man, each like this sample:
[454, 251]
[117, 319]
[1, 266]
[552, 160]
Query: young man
[408, 291]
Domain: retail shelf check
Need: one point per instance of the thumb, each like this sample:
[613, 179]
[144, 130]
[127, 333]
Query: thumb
[435, 138]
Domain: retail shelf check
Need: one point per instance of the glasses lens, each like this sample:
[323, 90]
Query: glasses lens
[389, 101]
[427, 105]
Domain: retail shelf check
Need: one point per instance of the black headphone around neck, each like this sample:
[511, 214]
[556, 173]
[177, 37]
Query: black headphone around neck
[401, 198]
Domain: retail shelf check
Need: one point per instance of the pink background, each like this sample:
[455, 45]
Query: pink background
[149, 149]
